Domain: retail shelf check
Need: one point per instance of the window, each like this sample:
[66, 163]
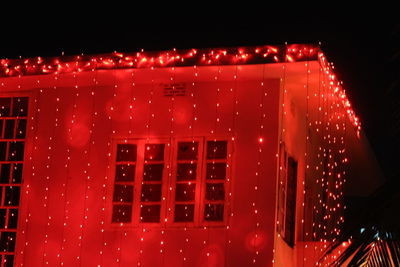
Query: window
[287, 197]
[13, 120]
[178, 181]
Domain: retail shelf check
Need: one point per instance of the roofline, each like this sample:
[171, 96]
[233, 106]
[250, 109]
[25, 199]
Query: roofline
[160, 59]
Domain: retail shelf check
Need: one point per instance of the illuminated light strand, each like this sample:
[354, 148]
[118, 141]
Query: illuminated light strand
[206, 57]
[257, 174]
[34, 130]
[104, 193]
[25, 187]
[87, 171]
[306, 161]
[232, 130]
[48, 166]
[171, 111]
[68, 177]
[262, 54]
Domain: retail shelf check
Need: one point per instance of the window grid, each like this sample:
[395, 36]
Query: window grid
[13, 120]
[195, 193]
[186, 181]
[126, 155]
[152, 183]
[215, 181]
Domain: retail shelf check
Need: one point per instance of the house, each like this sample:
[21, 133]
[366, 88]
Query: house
[208, 157]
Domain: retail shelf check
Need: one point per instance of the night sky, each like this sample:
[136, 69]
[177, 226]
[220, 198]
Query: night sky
[362, 49]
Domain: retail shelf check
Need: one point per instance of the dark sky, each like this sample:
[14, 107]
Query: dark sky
[362, 49]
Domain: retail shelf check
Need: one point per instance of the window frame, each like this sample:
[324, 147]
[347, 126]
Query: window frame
[169, 182]
[24, 162]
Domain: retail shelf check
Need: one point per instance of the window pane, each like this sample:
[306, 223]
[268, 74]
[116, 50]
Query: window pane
[2, 218]
[151, 192]
[12, 218]
[11, 197]
[7, 241]
[5, 173]
[153, 172]
[216, 171]
[9, 129]
[126, 152]
[125, 172]
[8, 260]
[3, 147]
[20, 106]
[122, 213]
[214, 212]
[215, 191]
[21, 129]
[184, 213]
[17, 173]
[16, 151]
[185, 192]
[5, 104]
[1, 128]
[187, 150]
[150, 213]
[123, 193]
[216, 149]
[186, 171]
[154, 152]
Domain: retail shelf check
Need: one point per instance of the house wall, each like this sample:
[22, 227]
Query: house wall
[313, 129]
[68, 182]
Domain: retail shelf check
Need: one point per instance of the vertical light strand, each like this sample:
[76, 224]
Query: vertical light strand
[48, 165]
[306, 165]
[171, 110]
[34, 127]
[67, 166]
[260, 141]
[278, 154]
[87, 172]
[115, 109]
[105, 181]
[232, 131]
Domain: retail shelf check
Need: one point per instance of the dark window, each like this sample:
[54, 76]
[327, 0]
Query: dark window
[184, 213]
[153, 172]
[185, 192]
[188, 150]
[126, 152]
[5, 171]
[11, 197]
[186, 181]
[125, 173]
[5, 106]
[17, 173]
[21, 129]
[215, 192]
[186, 171]
[122, 213]
[9, 129]
[216, 149]
[150, 213]
[214, 212]
[151, 193]
[20, 107]
[154, 152]
[13, 127]
[123, 193]
[16, 151]
[214, 198]
[216, 171]
[12, 218]
[7, 241]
